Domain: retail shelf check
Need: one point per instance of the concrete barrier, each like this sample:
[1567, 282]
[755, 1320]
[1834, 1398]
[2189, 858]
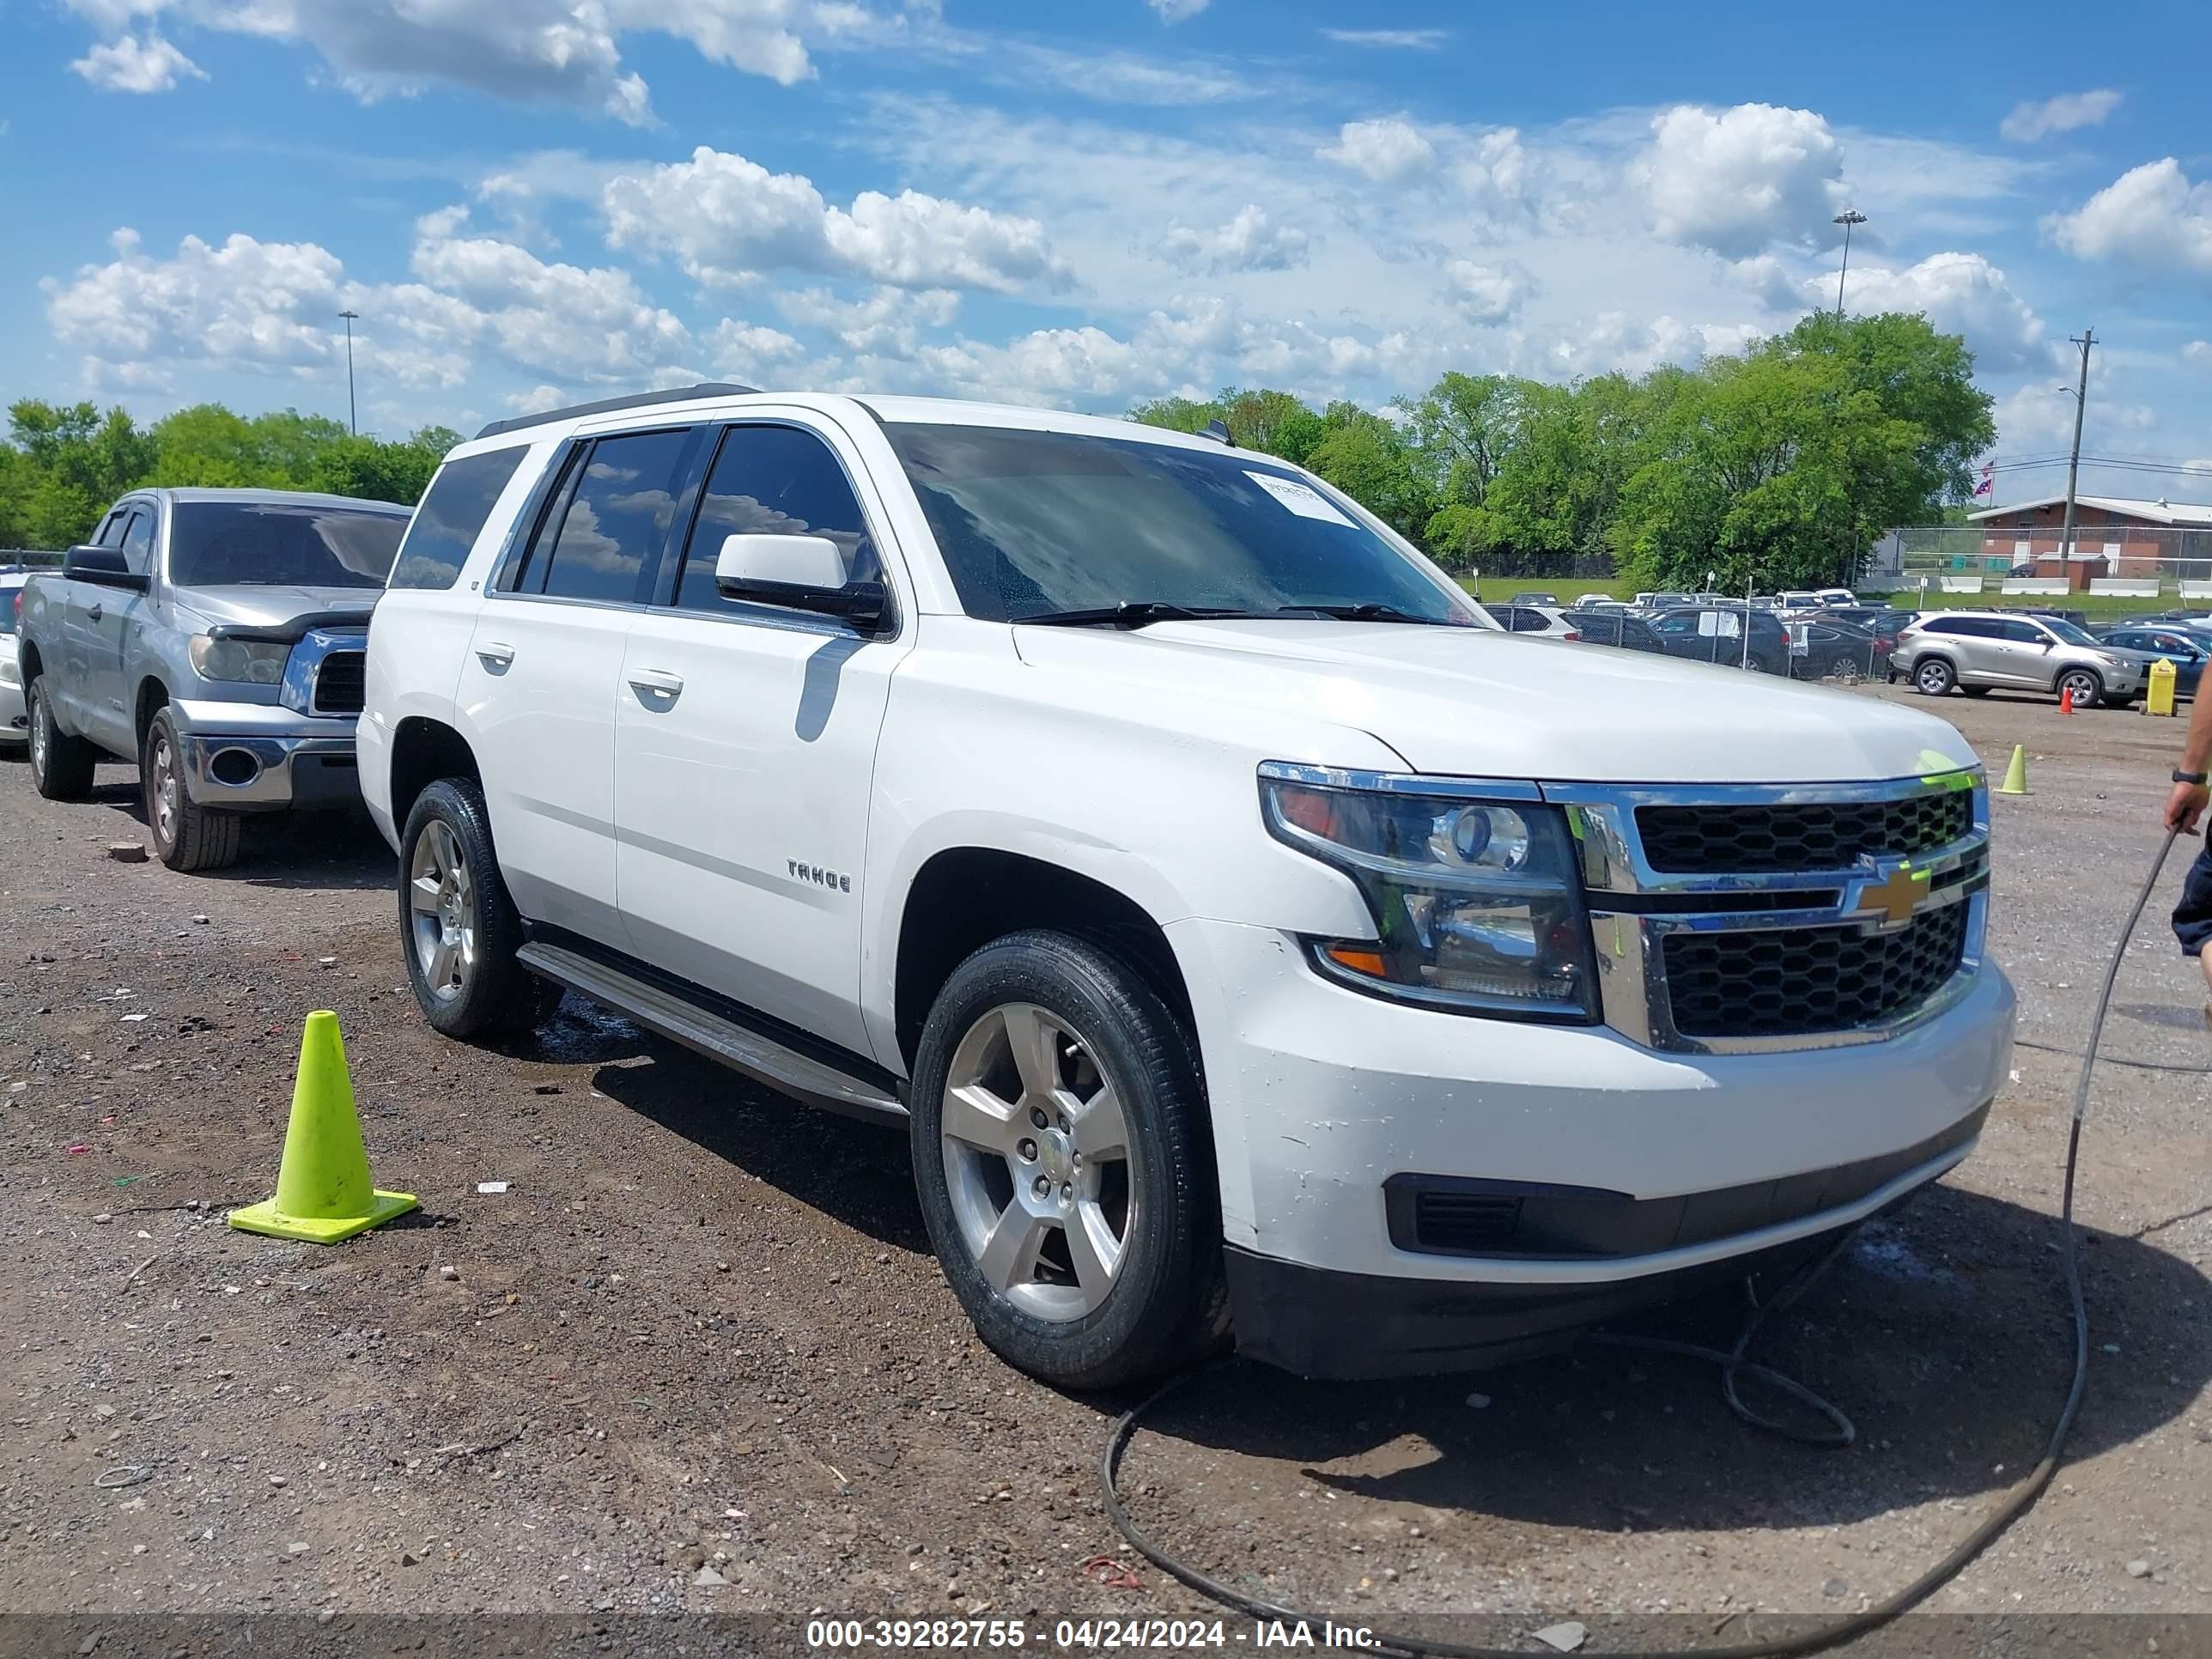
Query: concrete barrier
[2036, 585]
[2125, 587]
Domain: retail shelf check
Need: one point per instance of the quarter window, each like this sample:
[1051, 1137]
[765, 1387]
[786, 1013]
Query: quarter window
[614, 518]
[138, 541]
[774, 481]
[446, 525]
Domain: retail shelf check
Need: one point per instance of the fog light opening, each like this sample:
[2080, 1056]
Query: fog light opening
[235, 766]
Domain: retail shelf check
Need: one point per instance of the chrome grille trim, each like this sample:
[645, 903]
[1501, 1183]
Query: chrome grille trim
[1630, 945]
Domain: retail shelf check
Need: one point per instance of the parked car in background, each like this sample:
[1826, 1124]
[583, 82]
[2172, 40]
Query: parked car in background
[1830, 598]
[1883, 620]
[1657, 602]
[1551, 599]
[14, 725]
[1332, 851]
[1543, 619]
[1797, 599]
[216, 637]
[1616, 627]
[1824, 646]
[1599, 602]
[2186, 650]
[1716, 634]
[1982, 651]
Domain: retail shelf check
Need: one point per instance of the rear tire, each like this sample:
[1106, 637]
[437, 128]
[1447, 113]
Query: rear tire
[1933, 677]
[1064, 1163]
[458, 929]
[187, 836]
[61, 766]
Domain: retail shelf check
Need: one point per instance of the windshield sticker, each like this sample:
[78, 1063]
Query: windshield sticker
[1306, 503]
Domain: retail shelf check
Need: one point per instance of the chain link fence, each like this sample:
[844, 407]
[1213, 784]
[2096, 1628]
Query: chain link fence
[2121, 561]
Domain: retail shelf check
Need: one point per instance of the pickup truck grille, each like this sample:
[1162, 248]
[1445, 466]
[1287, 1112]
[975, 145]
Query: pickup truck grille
[1697, 841]
[1795, 982]
[342, 682]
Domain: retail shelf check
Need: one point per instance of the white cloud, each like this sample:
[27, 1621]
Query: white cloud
[1178, 11]
[725, 218]
[1390, 39]
[256, 305]
[1742, 179]
[1488, 294]
[752, 352]
[2031, 121]
[131, 64]
[1615, 341]
[887, 323]
[2197, 353]
[1384, 149]
[564, 52]
[1959, 293]
[2149, 216]
[1249, 241]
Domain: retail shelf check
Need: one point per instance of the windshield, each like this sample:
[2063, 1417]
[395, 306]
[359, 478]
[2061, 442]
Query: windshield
[213, 543]
[2068, 632]
[1037, 523]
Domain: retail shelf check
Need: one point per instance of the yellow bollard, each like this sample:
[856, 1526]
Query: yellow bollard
[2158, 698]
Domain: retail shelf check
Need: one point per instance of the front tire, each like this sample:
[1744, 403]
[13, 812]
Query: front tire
[458, 929]
[1064, 1164]
[187, 836]
[1933, 677]
[1976, 691]
[2088, 688]
[61, 766]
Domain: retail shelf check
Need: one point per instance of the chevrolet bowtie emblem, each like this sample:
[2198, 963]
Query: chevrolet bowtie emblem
[1896, 898]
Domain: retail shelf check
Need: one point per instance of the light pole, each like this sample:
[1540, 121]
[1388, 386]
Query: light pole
[2085, 339]
[1847, 218]
[353, 420]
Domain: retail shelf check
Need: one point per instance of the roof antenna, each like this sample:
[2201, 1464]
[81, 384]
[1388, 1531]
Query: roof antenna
[1218, 431]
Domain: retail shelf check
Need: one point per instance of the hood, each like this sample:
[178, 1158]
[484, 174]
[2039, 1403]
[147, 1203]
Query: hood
[253, 605]
[1475, 703]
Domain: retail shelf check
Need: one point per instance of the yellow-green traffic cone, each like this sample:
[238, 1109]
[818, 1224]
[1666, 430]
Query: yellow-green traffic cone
[323, 1190]
[2015, 778]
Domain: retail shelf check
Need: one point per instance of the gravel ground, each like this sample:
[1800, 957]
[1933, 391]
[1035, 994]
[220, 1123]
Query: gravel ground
[698, 1357]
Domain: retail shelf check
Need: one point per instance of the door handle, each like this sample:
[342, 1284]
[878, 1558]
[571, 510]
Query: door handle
[496, 656]
[656, 688]
[95, 613]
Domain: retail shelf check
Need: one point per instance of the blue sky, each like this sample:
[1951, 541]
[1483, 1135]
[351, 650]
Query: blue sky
[534, 200]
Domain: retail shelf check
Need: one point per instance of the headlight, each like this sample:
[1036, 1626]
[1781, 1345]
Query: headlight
[1478, 904]
[11, 672]
[255, 662]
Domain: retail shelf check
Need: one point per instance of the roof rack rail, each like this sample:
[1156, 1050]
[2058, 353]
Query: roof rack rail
[607, 405]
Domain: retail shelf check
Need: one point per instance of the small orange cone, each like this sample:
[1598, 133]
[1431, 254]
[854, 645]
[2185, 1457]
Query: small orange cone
[2066, 700]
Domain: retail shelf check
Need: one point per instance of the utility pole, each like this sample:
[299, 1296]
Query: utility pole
[2085, 339]
[1847, 218]
[353, 419]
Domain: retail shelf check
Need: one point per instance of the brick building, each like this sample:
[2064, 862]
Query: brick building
[2113, 536]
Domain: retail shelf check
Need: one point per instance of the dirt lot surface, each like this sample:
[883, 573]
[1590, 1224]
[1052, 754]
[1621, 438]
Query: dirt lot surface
[697, 1355]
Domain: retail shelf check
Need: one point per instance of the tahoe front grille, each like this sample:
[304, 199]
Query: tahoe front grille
[1759, 840]
[1797, 981]
[342, 682]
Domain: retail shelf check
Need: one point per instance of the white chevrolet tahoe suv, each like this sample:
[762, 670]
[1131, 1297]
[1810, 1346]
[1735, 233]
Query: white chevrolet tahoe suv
[1250, 936]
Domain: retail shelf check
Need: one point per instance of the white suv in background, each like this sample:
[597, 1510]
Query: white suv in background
[1248, 935]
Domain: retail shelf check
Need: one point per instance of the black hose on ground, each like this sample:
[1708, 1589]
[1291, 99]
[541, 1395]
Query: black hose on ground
[1733, 1364]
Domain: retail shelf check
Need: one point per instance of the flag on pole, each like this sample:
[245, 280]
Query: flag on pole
[1988, 483]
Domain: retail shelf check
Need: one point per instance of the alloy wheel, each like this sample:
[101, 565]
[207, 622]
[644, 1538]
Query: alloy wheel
[441, 901]
[1037, 1154]
[165, 791]
[2084, 687]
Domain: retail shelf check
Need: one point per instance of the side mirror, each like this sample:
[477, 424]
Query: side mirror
[803, 573]
[103, 566]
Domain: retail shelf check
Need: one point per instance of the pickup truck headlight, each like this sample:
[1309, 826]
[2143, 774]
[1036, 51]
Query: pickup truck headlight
[1478, 904]
[255, 662]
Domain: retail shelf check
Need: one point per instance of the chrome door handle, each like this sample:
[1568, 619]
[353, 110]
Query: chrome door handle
[95, 613]
[655, 687]
[495, 655]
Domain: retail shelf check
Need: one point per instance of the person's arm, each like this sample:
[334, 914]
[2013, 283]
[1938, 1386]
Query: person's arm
[2186, 803]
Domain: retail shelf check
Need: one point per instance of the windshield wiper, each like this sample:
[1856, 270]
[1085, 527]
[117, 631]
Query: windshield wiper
[1367, 611]
[1133, 613]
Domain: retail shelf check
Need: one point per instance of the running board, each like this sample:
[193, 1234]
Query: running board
[738, 1047]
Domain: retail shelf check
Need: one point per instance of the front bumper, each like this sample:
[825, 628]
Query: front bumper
[240, 757]
[1321, 1096]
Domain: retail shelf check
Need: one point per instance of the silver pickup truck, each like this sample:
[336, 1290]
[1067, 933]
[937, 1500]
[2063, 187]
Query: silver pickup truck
[217, 638]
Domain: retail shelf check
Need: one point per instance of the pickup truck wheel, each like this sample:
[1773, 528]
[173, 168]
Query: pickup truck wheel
[61, 766]
[458, 928]
[186, 837]
[1064, 1166]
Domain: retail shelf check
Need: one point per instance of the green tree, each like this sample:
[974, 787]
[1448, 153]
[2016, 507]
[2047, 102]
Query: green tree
[73, 462]
[1273, 422]
[381, 472]
[1368, 459]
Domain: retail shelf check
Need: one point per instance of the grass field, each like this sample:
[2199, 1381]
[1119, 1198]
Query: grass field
[1494, 590]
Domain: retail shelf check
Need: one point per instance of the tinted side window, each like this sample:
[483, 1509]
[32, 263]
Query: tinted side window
[774, 481]
[110, 533]
[1974, 628]
[446, 525]
[138, 541]
[2024, 633]
[617, 517]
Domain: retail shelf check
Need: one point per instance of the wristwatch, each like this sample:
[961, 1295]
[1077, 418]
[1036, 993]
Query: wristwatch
[2197, 778]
